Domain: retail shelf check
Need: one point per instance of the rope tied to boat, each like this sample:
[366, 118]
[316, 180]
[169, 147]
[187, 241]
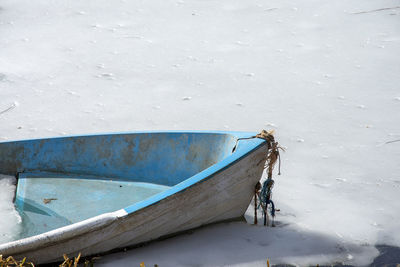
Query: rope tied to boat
[273, 156]
[264, 192]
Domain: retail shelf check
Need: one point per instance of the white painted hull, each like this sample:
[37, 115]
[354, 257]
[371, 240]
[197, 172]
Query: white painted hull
[225, 195]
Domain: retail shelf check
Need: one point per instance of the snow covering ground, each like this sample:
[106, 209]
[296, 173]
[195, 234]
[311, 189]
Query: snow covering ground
[324, 74]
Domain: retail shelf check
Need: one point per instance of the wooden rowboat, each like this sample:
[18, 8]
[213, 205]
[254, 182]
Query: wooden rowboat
[95, 193]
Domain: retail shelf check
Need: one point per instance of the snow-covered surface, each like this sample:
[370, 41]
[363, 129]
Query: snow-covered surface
[323, 75]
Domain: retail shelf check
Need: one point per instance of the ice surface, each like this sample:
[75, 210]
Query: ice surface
[322, 74]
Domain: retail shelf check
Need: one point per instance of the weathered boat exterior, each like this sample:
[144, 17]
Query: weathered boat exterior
[219, 192]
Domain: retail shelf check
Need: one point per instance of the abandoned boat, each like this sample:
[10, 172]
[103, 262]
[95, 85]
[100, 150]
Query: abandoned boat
[95, 193]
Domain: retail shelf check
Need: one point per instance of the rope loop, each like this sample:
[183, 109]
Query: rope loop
[265, 194]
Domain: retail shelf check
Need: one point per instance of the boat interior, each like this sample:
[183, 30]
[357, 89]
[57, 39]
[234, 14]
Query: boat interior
[68, 179]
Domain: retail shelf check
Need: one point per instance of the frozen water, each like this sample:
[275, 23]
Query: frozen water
[326, 72]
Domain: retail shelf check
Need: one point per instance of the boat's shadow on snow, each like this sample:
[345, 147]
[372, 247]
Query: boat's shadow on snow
[240, 244]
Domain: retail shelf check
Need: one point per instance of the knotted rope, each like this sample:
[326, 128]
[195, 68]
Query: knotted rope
[272, 157]
[265, 194]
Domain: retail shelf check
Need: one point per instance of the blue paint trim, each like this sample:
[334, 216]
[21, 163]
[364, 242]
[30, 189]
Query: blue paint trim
[244, 148]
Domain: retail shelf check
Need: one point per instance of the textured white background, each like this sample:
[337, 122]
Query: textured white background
[326, 79]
